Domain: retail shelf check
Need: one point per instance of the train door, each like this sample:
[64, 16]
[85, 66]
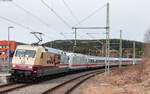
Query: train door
[70, 61]
[56, 59]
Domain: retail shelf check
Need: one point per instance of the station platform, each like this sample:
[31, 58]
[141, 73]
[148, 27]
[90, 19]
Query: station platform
[4, 78]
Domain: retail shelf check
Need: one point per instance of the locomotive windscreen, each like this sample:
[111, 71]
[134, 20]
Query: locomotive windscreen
[25, 53]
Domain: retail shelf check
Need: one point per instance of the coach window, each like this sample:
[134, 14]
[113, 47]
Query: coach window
[91, 61]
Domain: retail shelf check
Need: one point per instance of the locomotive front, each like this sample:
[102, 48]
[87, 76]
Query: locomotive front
[23, 62]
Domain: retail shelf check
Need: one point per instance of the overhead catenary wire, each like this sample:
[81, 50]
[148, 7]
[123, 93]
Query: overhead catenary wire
[48, 37]
[89, 34]
[33, 15]
[71, 12]
[18, 24]
[21, 25]
[81, 36]
[52, 10]
[63, 34]
[26, 27]
[83, 20]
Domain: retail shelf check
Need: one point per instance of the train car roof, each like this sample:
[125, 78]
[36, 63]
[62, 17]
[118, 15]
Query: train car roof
[44, 49]
[74, 54]
[53, 50]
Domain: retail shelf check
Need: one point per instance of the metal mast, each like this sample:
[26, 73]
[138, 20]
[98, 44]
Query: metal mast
[107, 72]
[76, 28]
[107, 39]
[120, 65]
[9, 47]
[75, 41]
[133, 52]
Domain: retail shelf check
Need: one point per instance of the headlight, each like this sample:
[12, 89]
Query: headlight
[29, 66]
[13, 65]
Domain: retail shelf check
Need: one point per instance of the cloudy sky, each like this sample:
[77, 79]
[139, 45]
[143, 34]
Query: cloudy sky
[55, 22]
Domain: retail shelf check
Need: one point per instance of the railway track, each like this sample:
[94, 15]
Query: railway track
[1, 86]
[13, 86]
[68, 86]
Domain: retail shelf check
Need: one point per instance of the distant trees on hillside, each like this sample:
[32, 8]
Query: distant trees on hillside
[93, 47]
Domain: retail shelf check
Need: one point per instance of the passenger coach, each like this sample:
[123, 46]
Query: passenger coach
[30, 62]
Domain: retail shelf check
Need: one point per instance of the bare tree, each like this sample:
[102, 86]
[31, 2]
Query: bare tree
[146, 46]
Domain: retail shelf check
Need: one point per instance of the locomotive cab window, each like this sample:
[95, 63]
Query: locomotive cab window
[25, 53]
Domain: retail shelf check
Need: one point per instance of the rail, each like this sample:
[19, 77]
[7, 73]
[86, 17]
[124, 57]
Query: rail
[68, 86]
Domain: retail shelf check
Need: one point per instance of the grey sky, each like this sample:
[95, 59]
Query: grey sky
[132, 16]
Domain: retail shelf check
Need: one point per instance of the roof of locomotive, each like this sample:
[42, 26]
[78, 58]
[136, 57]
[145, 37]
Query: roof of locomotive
[52, 50]
[44, 49]
[27, 47]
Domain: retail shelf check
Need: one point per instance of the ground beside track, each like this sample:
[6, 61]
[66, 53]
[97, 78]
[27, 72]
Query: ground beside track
[129, 80]
[43, 86]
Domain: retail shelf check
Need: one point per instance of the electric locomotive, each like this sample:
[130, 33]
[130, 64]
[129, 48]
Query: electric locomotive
[37, 61]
